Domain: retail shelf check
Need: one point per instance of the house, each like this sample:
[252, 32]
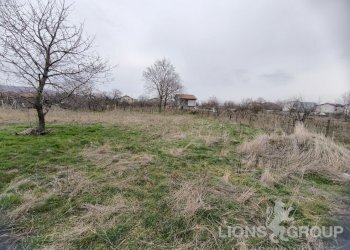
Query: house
[126, 99]
[329, 109]
[299, 106]
[185, 101]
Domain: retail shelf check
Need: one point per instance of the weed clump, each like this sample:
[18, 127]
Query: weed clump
[300, 152]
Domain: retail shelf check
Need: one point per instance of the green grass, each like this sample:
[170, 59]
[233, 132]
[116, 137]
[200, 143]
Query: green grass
[39, 164]
[10, 201]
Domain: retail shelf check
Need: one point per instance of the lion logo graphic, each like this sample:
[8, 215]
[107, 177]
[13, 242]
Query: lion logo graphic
[281, 214]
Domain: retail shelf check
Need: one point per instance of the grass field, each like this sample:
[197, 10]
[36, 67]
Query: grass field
[124, 180]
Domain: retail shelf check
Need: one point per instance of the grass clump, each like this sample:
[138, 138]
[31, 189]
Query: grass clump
[189, 198]
[9, 201]
[300, 152]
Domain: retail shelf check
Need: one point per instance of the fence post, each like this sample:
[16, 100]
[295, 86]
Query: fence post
[328, 127]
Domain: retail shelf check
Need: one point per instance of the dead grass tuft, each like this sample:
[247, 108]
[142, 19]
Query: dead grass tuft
[189, 198]
[68, 182]
[267, 178]
[226, 176]
[113, 162]
[299, 152]
[176, 151]
[245, 195]
[95, 217]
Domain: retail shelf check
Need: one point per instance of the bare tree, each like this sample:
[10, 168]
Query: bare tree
[40, 48]
[115, 95]
[230, 105]
[300, 110]
[212, 102]
[162, 79]
[346, 101]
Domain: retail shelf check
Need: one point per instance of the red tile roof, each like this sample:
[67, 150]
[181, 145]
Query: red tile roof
[186, 97]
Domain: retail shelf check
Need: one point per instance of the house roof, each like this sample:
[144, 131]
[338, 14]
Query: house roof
[27, 95]
[126, 96]
[153, 99]
[186, 97]
[332, 104]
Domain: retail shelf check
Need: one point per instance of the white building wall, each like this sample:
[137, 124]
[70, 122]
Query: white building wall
[191, 103]
[325, 108]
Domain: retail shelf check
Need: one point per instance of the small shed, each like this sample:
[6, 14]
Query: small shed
[185, 101]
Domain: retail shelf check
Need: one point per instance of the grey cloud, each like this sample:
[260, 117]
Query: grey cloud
[228, 48]
[279, 76]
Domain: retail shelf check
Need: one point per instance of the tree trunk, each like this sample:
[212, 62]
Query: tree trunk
[39, 106]
[165, 102]
[160, 105]
[41, 118]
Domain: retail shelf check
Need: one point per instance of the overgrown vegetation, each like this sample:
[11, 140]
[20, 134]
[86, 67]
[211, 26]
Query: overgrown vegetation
[133, 181]
[301, 152]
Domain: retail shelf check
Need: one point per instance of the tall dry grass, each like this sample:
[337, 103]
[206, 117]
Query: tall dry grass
[301, 151]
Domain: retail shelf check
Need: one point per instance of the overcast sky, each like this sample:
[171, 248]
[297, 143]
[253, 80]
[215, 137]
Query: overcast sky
[232, 49]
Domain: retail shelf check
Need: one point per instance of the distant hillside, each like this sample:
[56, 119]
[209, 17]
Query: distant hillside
[15, 89]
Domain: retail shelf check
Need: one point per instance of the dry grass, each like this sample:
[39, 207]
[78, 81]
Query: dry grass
[267, 177]
[176, 151]
[114, 162]
[93, 218]
[69, 183]
[189, 198]
[122, 186]
[226, 176]
[10, 116]
[246, 195]
[166, 126]
[299, 152]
